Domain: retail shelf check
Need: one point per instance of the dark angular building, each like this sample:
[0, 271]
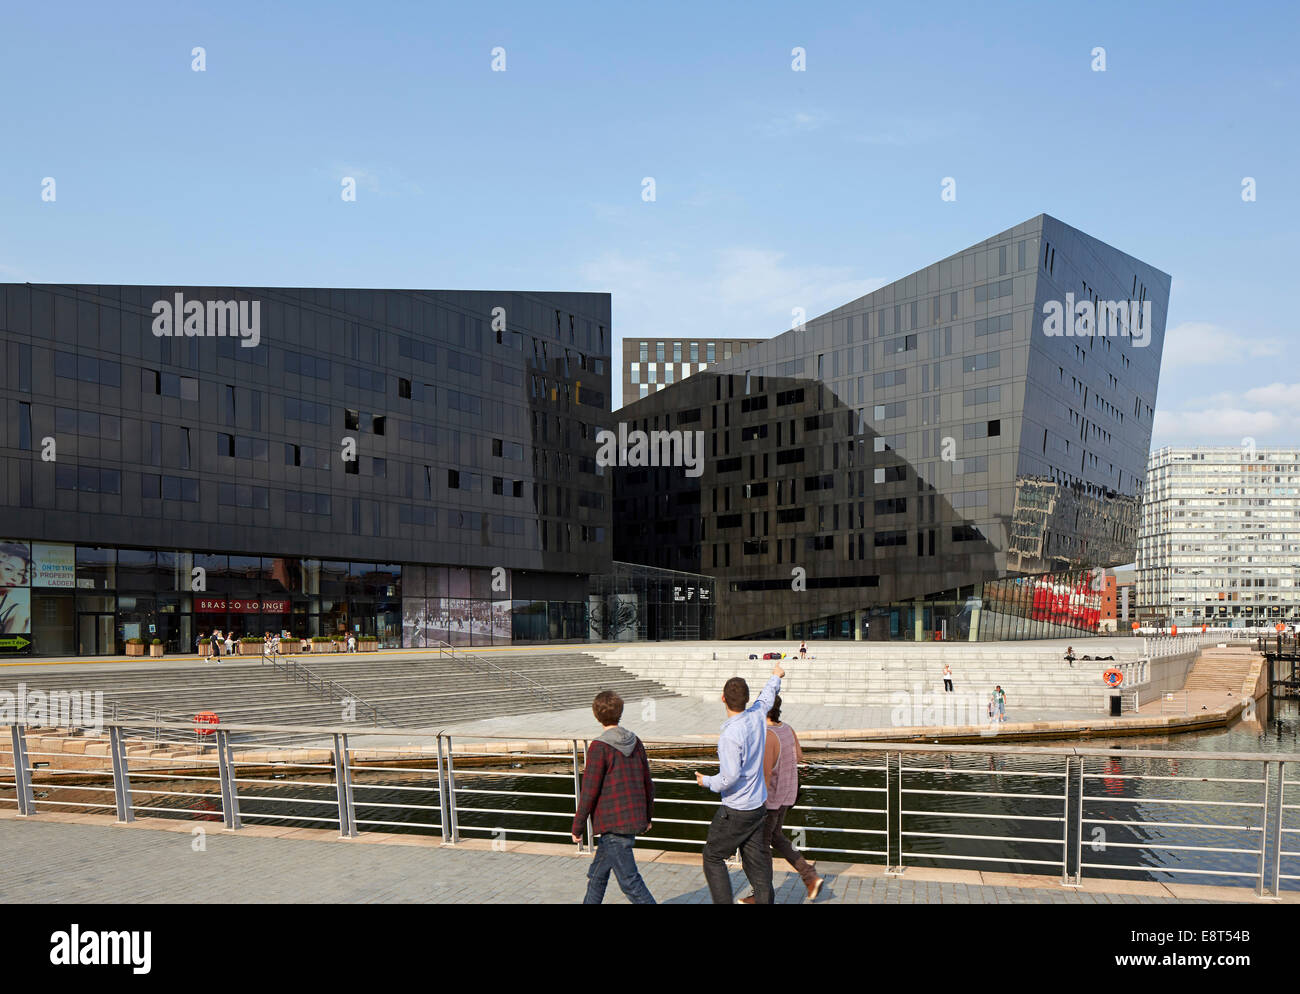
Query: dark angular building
[959, 454]
[407, 464]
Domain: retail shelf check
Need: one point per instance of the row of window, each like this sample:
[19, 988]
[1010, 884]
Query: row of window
[710, 351]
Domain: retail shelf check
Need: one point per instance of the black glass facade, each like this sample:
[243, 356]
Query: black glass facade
[883, 471]
[327, 459]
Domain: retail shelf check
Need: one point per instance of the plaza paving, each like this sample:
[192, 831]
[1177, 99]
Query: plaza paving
[65, 858]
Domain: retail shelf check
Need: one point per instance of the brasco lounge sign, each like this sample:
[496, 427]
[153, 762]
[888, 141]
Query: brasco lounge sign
[251, 605]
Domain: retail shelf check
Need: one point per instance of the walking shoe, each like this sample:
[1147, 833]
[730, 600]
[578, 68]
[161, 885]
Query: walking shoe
[815, 888]
[745, 900]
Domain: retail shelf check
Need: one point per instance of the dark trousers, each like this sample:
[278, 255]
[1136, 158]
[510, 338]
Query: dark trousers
[746, 831]
[783, 847]
[947, 683]
[614, 853]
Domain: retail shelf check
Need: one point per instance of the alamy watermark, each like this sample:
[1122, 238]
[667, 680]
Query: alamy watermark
[653, 448]
[1105, 318]
[44, 709]
[183, 318]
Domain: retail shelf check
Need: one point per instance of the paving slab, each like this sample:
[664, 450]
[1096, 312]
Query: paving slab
[64, 861]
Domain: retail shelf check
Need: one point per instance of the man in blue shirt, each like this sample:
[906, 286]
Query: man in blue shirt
[742, 816]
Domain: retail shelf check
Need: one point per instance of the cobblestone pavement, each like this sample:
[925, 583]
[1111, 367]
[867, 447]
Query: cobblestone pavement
[48, 862]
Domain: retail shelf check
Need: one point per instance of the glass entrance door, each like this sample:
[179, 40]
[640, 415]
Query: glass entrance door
[96, 635]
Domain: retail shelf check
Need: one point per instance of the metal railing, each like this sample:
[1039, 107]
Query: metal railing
[481, 665]
[329, 689]
[1175, 702]
[1178, 645]
[1047, 810]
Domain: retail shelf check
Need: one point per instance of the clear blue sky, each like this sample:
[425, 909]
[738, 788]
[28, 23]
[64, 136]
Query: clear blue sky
[774, 188]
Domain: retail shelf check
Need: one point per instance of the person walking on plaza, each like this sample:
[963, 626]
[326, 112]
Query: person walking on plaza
[947, 678]
[1000, 697]
[781, 756]
[803, 650]
[741, 818]
[618, 795]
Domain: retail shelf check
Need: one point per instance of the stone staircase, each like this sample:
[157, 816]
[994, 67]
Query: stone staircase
[411, 692]
[1222, 671]
[1033, 674]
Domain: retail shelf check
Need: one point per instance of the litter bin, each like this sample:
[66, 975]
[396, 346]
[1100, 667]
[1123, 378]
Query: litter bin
[1114, 705]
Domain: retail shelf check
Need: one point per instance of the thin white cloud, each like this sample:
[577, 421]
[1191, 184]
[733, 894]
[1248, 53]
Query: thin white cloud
[738, 293]
[797, 122]
[1200, 343]
[1269, 414]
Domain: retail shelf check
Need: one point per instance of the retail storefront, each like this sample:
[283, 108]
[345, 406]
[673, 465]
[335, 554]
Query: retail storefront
[60, 600]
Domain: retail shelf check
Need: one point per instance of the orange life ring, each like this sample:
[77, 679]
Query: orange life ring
[203, 719]
[1113, 677]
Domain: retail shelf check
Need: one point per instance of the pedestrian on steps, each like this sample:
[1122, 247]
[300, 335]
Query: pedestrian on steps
[947, 678]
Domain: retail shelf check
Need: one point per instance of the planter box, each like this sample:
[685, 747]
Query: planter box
[205, 650]
[368, 645]
[157, 651]
[134, 650]
[250, 649]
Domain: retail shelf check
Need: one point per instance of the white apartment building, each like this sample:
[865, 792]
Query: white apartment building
[1219, 540]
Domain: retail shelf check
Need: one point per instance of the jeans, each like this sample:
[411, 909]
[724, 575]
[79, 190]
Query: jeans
[614, 852]
[784, 848]
[746, 831]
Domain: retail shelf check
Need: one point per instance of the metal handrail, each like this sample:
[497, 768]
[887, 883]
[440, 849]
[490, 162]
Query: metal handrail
[330, 689]
[1169, 702]
[446, 648]
[859, 834]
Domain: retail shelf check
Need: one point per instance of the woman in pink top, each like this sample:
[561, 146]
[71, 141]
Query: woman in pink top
[781, 756]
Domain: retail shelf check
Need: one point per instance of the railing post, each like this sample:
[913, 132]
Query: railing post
[577, 785]
[121, 775]
[1277, 829]
[1078, 836]
[894, 814]
[442, 795]
[1270, 844]
[343, 781]
[1072, 868]
[22, 772]
[229, 790]
[451, 794]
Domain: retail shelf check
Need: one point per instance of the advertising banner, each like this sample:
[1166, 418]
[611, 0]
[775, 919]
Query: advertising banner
[54, 565]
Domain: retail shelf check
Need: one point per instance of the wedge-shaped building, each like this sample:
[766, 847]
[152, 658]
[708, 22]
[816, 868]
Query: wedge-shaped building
[957, 455]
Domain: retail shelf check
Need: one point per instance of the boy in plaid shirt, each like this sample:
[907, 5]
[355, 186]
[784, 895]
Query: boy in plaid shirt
[618, 795]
